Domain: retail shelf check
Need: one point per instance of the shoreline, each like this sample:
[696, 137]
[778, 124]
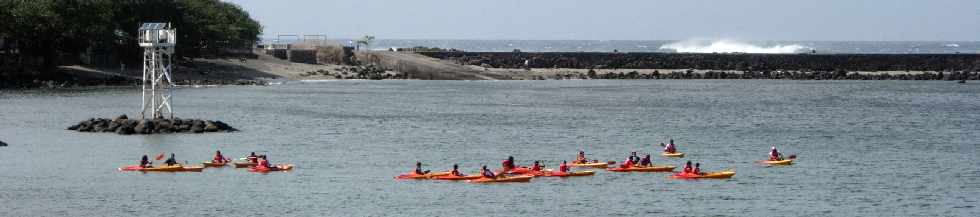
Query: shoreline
[377, 65]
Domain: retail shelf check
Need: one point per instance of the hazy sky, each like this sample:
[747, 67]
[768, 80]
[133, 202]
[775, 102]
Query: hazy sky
[867, 20]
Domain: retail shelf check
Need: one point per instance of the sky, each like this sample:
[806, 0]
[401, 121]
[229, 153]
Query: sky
[796, 20]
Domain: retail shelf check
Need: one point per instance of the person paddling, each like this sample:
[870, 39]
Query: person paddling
[509, 164]
[646, 161]
[697, 168]
[536, 167]
[455, 171]
[774, 154]
[253, 158]
[670, 147]
[581, 158]
[563, 167]
[172, 160]
[418, 168]
[218, 158]
[687, 167]
[628, 163]
[264, 162]
[145, 162]
[487, 173]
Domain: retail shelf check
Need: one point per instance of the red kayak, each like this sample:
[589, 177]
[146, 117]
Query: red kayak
[458, 178]
[280, 167]
[516, 171]
[413, 175]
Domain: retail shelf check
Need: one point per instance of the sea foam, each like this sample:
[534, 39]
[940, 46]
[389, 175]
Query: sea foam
[729, 46]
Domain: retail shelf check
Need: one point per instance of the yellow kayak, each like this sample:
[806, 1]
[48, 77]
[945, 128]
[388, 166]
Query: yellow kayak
[675, 154]
[174, 168]
[709, 175]
[778, 162]
[600, 165]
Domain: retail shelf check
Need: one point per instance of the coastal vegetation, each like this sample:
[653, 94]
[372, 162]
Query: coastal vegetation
[37, 35]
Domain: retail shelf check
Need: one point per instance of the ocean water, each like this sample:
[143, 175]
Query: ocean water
[688, 46]
[880, 148]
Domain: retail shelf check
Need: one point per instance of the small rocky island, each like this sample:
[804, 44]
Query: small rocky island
[124, 126]
[2, 144]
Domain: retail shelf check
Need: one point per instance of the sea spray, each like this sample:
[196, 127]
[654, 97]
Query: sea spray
[730, 46]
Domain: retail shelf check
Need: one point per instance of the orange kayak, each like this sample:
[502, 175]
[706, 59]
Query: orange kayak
[569, 174]
[518, 171]
[244, 164]
[710, 175]
[501, 179]
[458, 178]
[213, 164]
[430, 175]
[666, 168]
[278, 167]
[600, 165]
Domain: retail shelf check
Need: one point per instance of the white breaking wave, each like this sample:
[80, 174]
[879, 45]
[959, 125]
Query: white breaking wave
[729, 46]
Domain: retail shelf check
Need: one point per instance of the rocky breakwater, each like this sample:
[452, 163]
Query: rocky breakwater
[2, 144]
[124, 126]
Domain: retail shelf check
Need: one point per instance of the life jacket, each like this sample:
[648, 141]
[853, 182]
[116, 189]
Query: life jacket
[264, 163]
[457, 173]
[253, 159]
[687, 169]
[645, 161]
[697, 170]
[563, 167]
[488, 174]
[536, 167]
[219, 158]
[773, 155]
[507, 165]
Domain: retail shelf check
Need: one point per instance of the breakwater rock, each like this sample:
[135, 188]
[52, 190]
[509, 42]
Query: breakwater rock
[124, 126]
[719, 61]
[2, 144]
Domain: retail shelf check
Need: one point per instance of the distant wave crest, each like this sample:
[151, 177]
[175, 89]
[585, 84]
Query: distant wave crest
[729, 46]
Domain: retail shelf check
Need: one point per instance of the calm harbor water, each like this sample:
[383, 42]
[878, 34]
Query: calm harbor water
[880, 148]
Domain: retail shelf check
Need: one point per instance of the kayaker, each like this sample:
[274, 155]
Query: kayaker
[145, 162]
[264, 162]
[563, 167]
[218, 158]
[774, 154]
[487, 173]
[634, 158]
[581, 158]
[646, 161]
[697, 168]
[509, 164]
[536, 167]
[455, 171]
[172, 160]
[418, 168]
[628, 163]
[253, 158]
[669, 148]
[687, 167]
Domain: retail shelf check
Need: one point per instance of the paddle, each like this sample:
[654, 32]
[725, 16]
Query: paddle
[160, 156]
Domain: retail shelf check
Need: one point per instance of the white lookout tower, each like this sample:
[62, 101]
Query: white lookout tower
[158, 41]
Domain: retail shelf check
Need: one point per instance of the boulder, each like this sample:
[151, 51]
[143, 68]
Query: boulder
[2, 144]
[197, 129]
[210, 127]
[125, 130]
[144, 127]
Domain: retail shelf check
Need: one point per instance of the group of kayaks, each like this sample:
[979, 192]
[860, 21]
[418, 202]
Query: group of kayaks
[244, 162]
[526, 174]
